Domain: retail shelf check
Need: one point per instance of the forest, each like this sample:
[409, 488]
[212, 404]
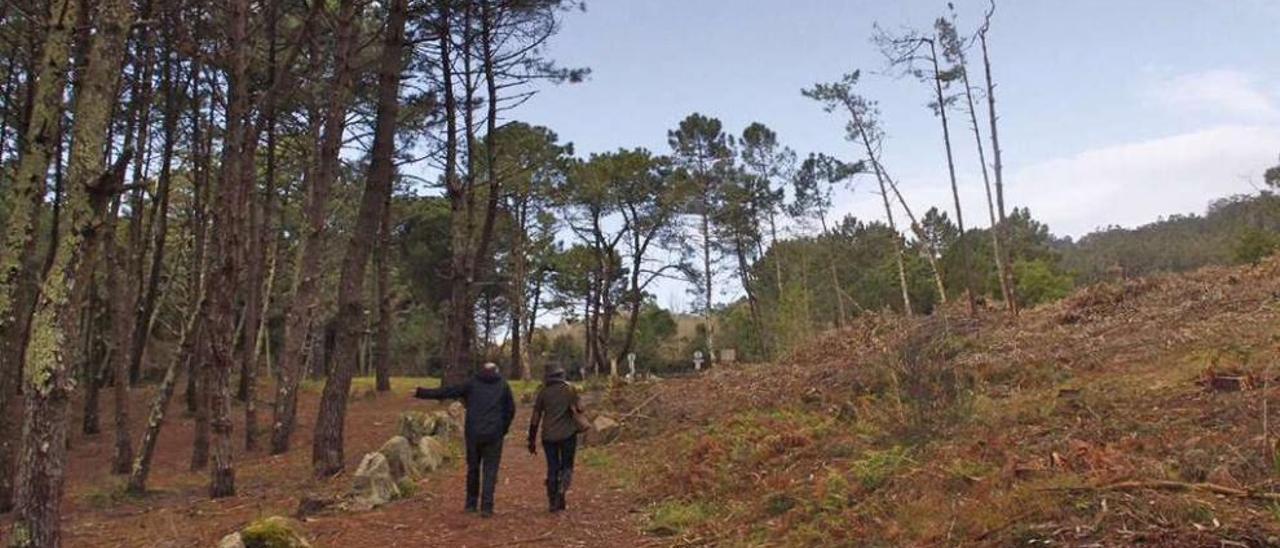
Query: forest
[233, 203]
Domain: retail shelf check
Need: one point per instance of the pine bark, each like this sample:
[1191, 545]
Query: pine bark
[327, 449]
[301, 312]
[19, 280]
[228, 224]
[57, 319]
[382, 336]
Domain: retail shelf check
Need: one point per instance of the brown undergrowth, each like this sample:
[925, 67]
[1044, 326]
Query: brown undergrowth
[951, 430]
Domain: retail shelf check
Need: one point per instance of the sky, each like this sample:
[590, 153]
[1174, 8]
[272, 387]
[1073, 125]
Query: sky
[1113, 112]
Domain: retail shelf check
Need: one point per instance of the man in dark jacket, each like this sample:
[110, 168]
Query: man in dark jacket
[490, 409]
[553, 409]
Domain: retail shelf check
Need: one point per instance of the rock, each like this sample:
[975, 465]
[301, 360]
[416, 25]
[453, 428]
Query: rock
[373, 483]
[457, 411]
[401, 459]
[431, 453]
[604, 430]
[446, 425]
[233, 540]
[273, 532]
[414, 425]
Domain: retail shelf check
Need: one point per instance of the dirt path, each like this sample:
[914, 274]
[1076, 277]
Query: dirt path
[598, 515]
[179, 514]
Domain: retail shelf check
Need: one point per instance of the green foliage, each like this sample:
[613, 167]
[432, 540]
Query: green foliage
[673, 517]
[875, 468]
[1253, 245]
[1038, 282]
[596, 457]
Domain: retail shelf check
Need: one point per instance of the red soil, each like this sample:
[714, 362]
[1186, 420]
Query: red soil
[179, 513]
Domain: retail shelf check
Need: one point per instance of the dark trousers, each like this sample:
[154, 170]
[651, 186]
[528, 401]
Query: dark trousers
[482, 455]
[559, 466]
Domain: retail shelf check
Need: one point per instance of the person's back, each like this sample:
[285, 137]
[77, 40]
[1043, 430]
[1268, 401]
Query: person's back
[490, 409]
[554, 410]
[555, 403]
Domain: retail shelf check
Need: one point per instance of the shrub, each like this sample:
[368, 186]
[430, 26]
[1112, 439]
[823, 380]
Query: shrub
[1253, 245]
[1040, 282]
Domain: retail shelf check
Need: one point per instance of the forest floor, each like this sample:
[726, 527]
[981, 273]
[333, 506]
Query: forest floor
[178, 512]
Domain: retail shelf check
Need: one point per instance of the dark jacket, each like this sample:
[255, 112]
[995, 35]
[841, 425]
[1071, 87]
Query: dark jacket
[487, 397]
[554, 410]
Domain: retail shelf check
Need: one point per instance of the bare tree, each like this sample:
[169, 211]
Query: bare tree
[997, 164]
[904, 52]
[864, 128]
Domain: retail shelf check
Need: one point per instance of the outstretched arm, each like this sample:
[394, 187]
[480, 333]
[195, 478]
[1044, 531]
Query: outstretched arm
[443, 393]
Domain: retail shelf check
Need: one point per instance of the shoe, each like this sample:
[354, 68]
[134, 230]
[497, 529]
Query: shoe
[486, 514]
[470, 509]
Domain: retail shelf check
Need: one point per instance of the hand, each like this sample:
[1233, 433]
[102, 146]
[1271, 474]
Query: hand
[533, 447]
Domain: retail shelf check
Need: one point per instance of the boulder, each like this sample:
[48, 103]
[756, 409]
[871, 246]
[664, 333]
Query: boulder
[373, 485]
[234, 540]
[457, 411]
[273, 532]
[414, 425]
[431, 453]
[401, 459]
[446, 425]
[604, 430]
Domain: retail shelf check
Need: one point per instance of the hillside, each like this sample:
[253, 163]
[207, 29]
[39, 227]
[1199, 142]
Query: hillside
[1127, 413]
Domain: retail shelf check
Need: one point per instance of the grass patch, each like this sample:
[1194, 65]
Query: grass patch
[596, 457]
[673, 517]
[109, 494]
[875, 468]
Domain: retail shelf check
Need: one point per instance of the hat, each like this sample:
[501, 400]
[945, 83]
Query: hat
[555, 373]
[490, 366]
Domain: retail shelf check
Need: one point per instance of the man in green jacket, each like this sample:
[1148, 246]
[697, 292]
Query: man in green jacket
[554, 410]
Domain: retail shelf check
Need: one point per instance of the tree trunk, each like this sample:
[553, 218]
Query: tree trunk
[187, 349]
[706, 271]
[951, 171]
[302, 309]
[57, 318]
[121, 334]
[516, 291]
[382, 337]
[228, 223]
[997, 249]
[327, 449]
[19, 280]
[998, 168]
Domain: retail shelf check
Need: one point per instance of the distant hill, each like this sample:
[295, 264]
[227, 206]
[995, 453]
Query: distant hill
[1222, 235]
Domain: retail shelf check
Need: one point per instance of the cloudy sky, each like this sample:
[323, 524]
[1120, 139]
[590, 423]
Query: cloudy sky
[1114, 112]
